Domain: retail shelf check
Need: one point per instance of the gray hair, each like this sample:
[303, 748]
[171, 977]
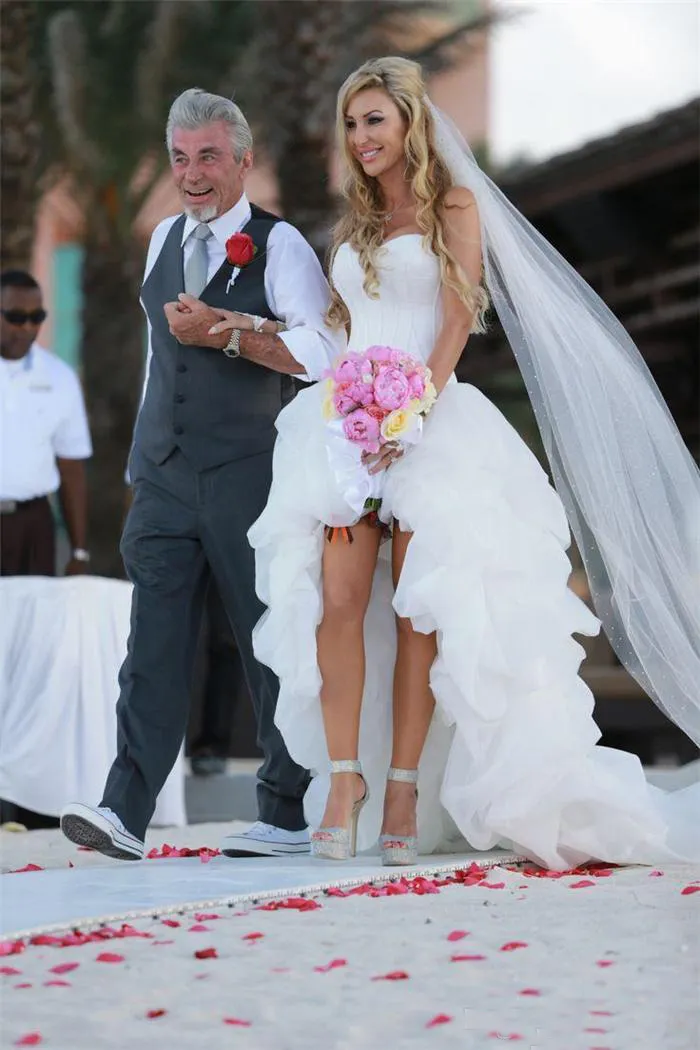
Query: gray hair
[196, 108]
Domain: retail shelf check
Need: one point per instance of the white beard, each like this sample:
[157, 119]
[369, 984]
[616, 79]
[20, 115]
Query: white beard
[204, 214]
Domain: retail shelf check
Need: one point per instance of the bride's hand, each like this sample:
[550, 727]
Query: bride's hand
[229, 320]
[375, 462]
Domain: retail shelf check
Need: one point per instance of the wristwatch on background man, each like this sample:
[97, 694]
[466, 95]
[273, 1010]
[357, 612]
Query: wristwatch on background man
[79, 554]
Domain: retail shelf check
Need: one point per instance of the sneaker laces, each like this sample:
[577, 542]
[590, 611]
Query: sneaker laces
[112, 816]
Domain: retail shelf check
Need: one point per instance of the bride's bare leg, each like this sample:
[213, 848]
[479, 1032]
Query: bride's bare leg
[413, 707]
[348, 569]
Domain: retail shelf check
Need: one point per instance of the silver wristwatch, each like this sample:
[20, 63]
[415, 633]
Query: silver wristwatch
[233, 347]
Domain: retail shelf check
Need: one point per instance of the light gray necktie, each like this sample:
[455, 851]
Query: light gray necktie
[198, 263]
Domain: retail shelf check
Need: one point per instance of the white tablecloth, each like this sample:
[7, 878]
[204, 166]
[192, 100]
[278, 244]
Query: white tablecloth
[62, 642]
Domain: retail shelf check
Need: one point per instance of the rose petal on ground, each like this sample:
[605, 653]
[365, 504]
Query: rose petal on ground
[156, 1013]
[530, 991]
[207, 953]
[9, 971]
[332, 965]
[467, 958]
[11, 947]
[605, 962]
[512, 946]
[395, 975]
[252, 936]
[57, 984]
[27, 867]
[24, 984]
[203, 917]
[30, 1039]
[109, 957]
[170, 922]
[655, 874]
[438, 1019]
[689, 889]
[457, 935]
[512, 1037]
[493, 885]
[199, 928]
[237, 1021]
[64, 967]
[581, 884]
[597, 1031]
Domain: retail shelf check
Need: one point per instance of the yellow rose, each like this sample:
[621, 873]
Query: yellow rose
[429, 398]
[328, 408]
[398, 423]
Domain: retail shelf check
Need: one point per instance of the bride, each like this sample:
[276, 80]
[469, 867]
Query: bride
[418, 613]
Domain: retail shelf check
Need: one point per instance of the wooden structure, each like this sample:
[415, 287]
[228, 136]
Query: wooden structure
[625, 212]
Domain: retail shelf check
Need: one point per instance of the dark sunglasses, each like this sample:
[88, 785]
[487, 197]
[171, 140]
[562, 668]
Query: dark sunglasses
[20, 317]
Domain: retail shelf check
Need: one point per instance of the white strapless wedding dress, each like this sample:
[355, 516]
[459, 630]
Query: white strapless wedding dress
[511, 757]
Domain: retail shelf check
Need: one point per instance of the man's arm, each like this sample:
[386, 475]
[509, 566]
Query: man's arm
[73, 498]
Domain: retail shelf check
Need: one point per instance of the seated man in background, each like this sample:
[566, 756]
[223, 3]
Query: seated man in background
[44, 440]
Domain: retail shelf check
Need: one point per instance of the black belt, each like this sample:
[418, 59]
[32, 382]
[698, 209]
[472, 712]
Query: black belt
[12, 506]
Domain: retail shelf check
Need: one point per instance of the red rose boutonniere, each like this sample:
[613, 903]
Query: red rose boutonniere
[240, 249]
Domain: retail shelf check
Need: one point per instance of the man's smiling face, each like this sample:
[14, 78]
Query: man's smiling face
[208, 177]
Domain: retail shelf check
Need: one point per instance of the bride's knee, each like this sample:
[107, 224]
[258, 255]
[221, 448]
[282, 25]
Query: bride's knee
[344, 601]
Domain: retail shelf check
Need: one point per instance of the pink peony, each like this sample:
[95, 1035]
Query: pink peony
[362, 429]
[391, 388]
[348, 371]
[379, 353]
[416, 386]
[362, 393]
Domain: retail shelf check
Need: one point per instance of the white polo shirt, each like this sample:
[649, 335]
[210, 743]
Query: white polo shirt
[42, 417]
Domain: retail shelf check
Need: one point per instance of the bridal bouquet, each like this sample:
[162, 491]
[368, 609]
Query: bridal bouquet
[378, 396]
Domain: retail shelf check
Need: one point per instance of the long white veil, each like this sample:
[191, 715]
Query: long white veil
[628, 483]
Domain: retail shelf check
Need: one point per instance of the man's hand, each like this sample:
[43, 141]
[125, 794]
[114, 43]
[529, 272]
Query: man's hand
[76, 568]
[378, 461]
[189, 321]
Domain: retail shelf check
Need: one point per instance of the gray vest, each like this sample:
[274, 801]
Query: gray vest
[213, 408]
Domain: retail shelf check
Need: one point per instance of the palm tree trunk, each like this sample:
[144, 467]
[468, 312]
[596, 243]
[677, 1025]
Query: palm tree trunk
[113, 358]
[20, 134]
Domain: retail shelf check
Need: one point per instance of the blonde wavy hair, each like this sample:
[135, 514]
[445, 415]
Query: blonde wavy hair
[362, 225]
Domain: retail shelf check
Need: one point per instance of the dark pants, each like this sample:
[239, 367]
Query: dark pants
[182, 526]
[222, 680]
[27, 540]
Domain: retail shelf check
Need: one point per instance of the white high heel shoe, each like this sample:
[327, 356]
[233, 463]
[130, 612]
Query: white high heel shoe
[400, 849]
[340, 843]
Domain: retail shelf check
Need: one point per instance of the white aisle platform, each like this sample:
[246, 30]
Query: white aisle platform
[62, 642]
[62, 898]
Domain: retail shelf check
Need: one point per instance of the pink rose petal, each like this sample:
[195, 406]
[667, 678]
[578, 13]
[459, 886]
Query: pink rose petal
[689, 889]
[457, 935]
[332, 965]
[237, 1021]
[170, 922]
[64, 967]
[109, 957]
[512, 946]
[27, 867]
[467, 958]
[9, 971]
[395, 975]
[604, 962]
[530, 991]
[199, 928]
[31, 1039]
[602, 1013]
[252, 936]
[581, 884]
[655, 874]
[493, 885]
[57, 984]
[24, 984]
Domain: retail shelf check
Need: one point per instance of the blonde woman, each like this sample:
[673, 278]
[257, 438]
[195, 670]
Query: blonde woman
[466, 601]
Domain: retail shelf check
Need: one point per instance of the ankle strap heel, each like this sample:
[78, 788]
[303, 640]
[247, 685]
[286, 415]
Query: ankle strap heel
[347, 765]
[340, 843]
[407, 776]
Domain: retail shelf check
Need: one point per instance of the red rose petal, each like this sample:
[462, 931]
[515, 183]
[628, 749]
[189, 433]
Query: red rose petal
[170, 922]
[24, 984]
[64, 967]
[493, 885]
[27, 867]
[604, 962]
[203, 917]
[199, 928]
[457, 935]
[511, 946]
[207, 953]
[109, 957]
[9, 971]
[581, 884]
[57, 984]
[156, 1013]
[395, 975]
[438, 1019]
[689, 889]
[530, 991]
[252, 936]
[655, 874]
[31, 1039]
[467, 958]
[237, 1021]
[332, 965]
[11, 947]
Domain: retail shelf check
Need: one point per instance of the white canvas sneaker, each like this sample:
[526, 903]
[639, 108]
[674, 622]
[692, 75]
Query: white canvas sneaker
[265, 840]
[100, 829]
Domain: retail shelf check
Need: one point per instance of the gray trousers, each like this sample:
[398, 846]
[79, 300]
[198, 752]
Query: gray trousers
[182, 526]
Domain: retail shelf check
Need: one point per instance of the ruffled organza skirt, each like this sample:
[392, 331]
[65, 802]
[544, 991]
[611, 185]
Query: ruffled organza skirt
[511, 757]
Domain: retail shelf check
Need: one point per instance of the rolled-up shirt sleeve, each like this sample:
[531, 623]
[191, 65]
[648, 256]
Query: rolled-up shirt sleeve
[298, 294]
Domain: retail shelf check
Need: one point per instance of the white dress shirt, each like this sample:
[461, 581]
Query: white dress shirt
[42, 417]
[295, 287]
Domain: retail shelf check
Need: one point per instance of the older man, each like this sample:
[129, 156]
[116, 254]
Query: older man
[44, 440]
[201, 468]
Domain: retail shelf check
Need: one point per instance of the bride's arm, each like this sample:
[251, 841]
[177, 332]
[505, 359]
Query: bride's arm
[463, 238]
